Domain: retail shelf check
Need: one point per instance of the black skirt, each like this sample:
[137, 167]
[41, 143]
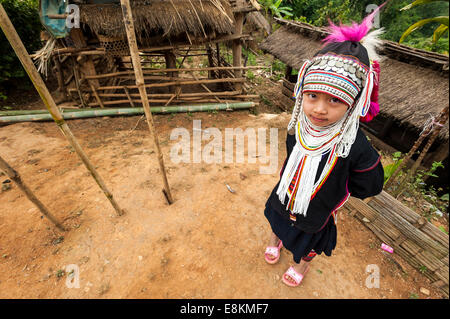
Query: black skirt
[298, 242]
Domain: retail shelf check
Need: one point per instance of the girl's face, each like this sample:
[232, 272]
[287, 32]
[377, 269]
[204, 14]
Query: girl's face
[323, 109]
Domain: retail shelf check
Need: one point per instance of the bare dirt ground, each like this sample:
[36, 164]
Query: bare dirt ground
[208, 244]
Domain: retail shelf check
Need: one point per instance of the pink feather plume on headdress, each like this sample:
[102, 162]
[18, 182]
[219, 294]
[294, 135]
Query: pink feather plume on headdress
[356, 32]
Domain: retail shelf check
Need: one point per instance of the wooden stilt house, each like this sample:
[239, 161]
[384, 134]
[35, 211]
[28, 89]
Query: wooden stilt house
[93, 65]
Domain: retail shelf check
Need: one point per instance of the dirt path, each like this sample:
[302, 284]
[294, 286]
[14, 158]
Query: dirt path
[208, 244]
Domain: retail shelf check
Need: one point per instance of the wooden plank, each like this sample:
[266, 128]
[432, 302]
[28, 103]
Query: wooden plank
[442, 274]
[360, 206]
[410, 246]
[429, 260]
[436, 234]
[445, 260]
[408, 242]
[287, 93]
[389, 202]
[411, 232]
[231, 80]
[288, 85]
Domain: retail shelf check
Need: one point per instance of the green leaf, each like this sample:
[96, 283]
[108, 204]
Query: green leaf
[397, 154]
[418, 3]
[439, 32]
[421, 23]
[444, 197]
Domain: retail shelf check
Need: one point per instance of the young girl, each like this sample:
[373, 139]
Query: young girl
[328, 156]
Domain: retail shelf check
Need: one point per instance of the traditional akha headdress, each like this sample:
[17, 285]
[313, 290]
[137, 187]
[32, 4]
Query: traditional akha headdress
[346, 67]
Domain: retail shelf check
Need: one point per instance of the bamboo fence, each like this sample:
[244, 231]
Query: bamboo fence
[417, 241]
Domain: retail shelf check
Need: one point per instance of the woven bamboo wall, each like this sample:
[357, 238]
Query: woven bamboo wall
[413, 238]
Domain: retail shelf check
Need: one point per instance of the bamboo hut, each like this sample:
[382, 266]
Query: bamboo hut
[413, 87]
[93, 66]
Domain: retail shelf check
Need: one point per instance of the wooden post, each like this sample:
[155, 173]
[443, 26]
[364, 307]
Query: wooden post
[22, 54]
[171, 63]
[99, 100]
[288, 72]
[210, 60]
[131, 35]
[76, 76]
[218, 59]
[128, 96]
[60, 77]
[12, 174]
[437, 156]
[86, 62]
[237, 47]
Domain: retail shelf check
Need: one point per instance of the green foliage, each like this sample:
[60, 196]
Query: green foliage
[250, 75]
[430, 193]
[265, 100]
[442, 21]
[413, 296]
[390, 169]
[423, 269]
[278, 66]
[251, 58]
[442, 229]
[394, 21]
[273, 6]
[441, 46]
[24, 15]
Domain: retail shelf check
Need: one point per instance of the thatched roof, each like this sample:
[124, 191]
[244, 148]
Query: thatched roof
[167, 18]
[413, 83]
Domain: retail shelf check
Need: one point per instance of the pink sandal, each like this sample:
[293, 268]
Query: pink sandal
[297, 277]
[273, 251]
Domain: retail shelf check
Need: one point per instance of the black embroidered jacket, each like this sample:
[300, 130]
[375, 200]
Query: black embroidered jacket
[360, 175]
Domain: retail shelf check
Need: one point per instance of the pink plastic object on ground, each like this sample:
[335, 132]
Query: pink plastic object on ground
[387, 248]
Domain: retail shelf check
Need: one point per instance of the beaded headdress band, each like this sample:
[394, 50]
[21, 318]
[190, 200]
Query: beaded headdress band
[344, 68]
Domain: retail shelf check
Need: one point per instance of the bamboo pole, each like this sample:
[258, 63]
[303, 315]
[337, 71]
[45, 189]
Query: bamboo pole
[150, 71]
[237, 47]
[165, 84]
[60, 77]
[42, 115]
[127, 93]
[168, 95]
[132, 43]
[13, 175]
[22, 54]
[185, 100]
[99, 100]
